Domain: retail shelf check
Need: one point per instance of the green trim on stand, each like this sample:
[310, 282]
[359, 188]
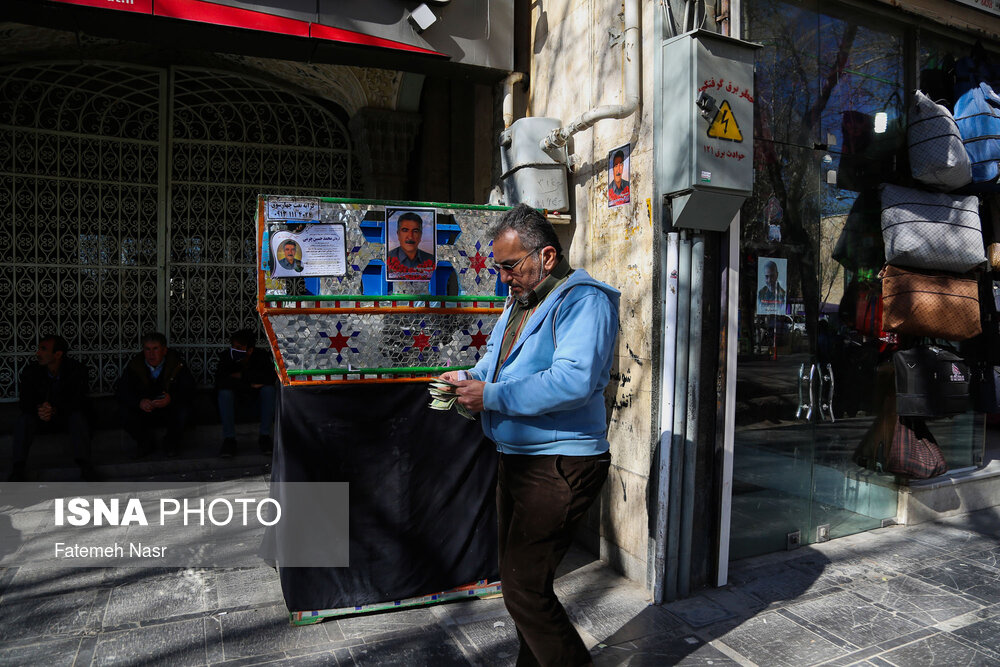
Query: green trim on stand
[463, 298]
[393, 202]
[376, 371]
[480, 589]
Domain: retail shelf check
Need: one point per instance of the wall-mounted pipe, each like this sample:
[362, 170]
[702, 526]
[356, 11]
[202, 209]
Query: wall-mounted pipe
[668, 345]
[508, 97]
[677, 428]
[631, 52]
[691, 421]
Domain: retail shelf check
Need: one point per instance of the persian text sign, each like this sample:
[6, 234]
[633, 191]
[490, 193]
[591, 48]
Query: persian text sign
[991, 6]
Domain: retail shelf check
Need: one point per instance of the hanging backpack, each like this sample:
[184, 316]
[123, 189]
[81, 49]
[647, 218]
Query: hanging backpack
[977, 113]
[930, 382]
[937, 155]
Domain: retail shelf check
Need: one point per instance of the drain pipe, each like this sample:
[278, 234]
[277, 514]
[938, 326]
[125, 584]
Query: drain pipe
[508, 97]
[557, 138]
[681, 359]
[691, 427]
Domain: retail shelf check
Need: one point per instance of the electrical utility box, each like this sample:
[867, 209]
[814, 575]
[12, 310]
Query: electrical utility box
[705, 156]
[532, 175]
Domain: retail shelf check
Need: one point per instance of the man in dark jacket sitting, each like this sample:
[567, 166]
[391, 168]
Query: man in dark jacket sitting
[155, 389]
[245, 376]
[52, 394]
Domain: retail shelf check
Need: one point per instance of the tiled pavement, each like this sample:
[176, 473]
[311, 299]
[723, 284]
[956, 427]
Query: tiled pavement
[924, 595]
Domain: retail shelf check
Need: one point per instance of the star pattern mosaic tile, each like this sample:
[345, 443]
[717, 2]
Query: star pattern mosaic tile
[381, 340]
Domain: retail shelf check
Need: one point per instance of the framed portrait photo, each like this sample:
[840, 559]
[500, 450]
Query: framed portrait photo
[410, 250]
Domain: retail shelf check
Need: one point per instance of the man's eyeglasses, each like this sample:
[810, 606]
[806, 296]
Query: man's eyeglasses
[509, 267]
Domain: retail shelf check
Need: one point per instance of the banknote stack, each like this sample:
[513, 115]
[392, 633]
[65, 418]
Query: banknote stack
[444, 397]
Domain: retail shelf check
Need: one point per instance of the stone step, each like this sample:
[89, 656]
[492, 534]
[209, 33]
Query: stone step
[114, 457]
[958, 493]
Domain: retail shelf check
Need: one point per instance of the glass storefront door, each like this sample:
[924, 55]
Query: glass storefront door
[814, 391]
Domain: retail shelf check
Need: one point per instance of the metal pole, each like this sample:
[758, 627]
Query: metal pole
[680, 412]
[731, 283]
[668, 345]
[691, 426]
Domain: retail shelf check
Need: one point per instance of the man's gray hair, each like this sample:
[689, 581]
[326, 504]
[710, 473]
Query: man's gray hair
[533, 230]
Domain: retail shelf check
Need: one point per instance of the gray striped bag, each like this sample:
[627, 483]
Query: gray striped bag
[931, 230]
[938, 158]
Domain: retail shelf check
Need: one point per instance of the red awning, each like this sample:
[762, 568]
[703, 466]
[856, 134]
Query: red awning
[203, 11]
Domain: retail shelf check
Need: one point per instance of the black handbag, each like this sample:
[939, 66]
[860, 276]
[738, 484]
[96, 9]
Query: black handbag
[931, 382]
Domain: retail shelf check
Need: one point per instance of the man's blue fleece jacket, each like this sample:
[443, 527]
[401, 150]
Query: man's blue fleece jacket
[548, 396]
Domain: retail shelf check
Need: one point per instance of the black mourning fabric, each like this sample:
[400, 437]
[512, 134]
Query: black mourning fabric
[422, 492]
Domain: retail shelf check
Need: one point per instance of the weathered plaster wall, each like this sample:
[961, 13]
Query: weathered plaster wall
[573, 68]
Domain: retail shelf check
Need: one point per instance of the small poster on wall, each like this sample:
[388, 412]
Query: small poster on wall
[618, 175]
[409, 248]
[771, 296]
[317, 250]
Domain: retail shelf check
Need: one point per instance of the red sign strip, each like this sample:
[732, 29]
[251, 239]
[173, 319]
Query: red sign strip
[320, 31]
[137, 6]
[235, 17]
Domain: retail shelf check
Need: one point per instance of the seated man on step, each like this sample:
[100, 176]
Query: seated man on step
[245, 377]
[155, 389]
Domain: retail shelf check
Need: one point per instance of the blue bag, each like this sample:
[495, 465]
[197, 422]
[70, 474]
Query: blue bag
[977, 113]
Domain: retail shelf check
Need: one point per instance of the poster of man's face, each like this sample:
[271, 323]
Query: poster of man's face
[410, 248]
[289, 259]
[618, 175]
[771, 277]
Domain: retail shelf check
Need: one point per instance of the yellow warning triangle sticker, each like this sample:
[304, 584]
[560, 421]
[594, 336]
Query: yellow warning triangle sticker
[725, 126]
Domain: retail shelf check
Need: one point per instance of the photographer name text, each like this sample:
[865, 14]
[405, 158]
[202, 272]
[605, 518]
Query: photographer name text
[116, 550]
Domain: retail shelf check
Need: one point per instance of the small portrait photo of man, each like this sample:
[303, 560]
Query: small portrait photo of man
[409, 254]
[618, 170]
[771, 296]
[289, 255]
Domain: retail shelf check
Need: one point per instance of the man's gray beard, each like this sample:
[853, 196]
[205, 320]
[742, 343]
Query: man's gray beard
[526, 296]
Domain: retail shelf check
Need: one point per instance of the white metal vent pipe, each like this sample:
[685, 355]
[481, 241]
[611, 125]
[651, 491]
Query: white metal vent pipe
[508, 97]
[558, 138]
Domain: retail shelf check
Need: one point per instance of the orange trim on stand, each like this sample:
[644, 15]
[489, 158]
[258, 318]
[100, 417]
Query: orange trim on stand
[313, 383]
[379, 311]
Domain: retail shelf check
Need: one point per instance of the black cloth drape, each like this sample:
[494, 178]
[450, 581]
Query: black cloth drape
[422, 484]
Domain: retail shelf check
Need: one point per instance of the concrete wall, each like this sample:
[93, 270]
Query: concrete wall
[572, 69]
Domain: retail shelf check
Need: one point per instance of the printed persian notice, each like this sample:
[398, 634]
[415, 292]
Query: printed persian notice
[317, 250]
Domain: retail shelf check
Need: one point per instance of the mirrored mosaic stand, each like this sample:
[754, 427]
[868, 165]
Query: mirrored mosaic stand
[360, 328]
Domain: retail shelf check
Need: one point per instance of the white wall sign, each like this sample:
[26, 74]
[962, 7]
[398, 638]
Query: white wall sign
[292, 209]
[989, 6]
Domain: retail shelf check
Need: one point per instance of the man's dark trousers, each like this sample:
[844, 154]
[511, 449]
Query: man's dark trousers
[140, 424]
[540, 501]
[74, 423]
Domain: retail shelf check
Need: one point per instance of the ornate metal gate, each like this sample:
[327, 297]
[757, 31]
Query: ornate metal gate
[232, 139]
[127, 201]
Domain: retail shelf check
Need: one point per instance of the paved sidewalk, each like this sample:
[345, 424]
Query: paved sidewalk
[926, 595]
